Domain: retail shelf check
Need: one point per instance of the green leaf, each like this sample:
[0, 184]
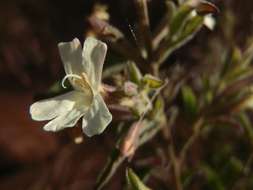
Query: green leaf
[134, 73]
[134, 181]
[208, 96]
[236, 165]
[116, 68]
[110, 168]
[189, 101]
[237, 73]
[190, 29]
[179, 19]
[232, 58]
[192, 26]
[246, 123]
[57, 87]
[151, 81]
[171, 10]
[248, 54]
[213, 178]
[235, 65]
[157, 113]
[159, 105]
[148, 131]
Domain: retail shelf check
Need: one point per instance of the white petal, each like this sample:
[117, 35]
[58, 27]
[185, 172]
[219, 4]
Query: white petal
[71, 55]
[59, 105]
[68, 119]
[97, 117]
[209, 22]
[94, 52]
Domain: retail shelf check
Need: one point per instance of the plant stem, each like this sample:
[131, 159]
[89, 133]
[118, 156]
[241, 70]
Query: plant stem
[117, 41]
[144, 26]
[245, 172]
[175, 163]
[176, 167]
[196, 131]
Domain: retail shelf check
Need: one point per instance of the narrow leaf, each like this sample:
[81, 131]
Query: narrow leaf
[134, 181]
[246, 123]
[112, 165]
[248, 55]
[179, 19]
[151, 81]
[192, 26]
[134, 73]
[213, 179]
[189, 101]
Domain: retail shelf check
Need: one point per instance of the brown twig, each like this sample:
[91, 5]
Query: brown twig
[245, 172]
[144, 26]
[161, 31]
[196, 131]
[177, 161]
[117, 41]
[176, 165]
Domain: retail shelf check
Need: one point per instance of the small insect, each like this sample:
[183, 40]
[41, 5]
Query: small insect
[132, 32]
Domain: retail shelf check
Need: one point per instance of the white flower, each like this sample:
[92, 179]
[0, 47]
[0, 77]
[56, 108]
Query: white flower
[209, 22]
[83, 69]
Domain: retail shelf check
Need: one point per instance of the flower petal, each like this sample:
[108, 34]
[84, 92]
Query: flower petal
[97, 117]
[94, 52]
[59, 105]
[71, 55]
[68, 119]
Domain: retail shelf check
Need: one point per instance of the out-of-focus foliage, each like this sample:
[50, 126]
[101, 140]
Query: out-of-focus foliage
[134, 181]
[207, 96]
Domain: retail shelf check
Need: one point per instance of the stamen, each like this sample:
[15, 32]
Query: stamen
[68, 76]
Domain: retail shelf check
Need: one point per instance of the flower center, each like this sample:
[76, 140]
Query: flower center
[73, 76]
[80, 82]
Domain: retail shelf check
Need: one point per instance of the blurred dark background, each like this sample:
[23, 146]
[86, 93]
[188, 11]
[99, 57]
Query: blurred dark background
[29, 64]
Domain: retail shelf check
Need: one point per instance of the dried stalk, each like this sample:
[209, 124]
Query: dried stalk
[196, 132]
[176, 165]
[161, 31]
[117, 41]
[144, 26]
